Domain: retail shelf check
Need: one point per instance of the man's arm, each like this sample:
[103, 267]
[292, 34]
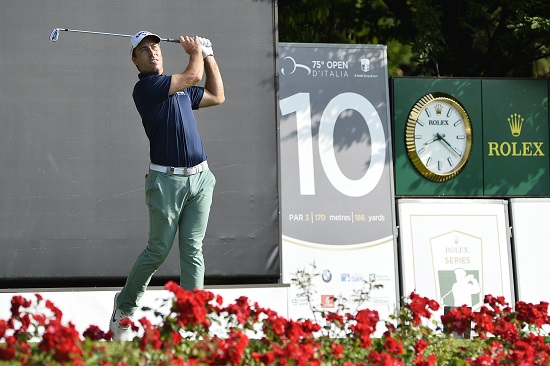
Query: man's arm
[195, 68]
[213, 87]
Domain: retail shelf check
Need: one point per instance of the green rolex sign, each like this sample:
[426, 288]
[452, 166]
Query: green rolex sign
[515, 136]
[509, 137]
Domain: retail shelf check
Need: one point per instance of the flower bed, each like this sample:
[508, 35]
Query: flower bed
[35, 334]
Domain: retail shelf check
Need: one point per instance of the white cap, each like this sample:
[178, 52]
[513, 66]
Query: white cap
[138, 37]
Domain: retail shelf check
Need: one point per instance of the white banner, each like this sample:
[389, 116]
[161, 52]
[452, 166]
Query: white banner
[337, 201]
[531, 229]
[456, 251]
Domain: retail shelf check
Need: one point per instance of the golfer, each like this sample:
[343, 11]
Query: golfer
[179, 185]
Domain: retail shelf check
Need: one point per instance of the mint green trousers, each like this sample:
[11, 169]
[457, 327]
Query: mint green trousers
[176, 203]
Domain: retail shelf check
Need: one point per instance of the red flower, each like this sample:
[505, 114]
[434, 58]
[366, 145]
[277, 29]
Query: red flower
[366, 325]
[383, 359]
[172, 340]
[420, 346]
[232, 349]
[393, 346]
[276, 323]
[434, 305]
[63, 341]
[498, 304]
[420, 307]
[242, 310]
[484, 360]
[458, 320]
[293, 331]
[506, 330]
[309, 327]
[430, 361]
[484, 324]
[191, 307]
[7, 351]
[173, 287]
[94, 333]
[3, 328]
[522, 354]
[266, 359]
[542, 349]
[19, 302]
[302, 353]
[25, 320]
[334, 317]
[57, 313]
[127, 322]
[151, 335]
[40, 319]
[533, 314]
[337, 349]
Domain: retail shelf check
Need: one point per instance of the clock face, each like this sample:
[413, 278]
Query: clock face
[438, 137]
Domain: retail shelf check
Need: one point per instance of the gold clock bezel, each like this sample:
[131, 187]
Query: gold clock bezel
[410, 142]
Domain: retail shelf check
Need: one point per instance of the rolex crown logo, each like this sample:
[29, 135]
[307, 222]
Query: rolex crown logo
[438, 109]
[515, 121]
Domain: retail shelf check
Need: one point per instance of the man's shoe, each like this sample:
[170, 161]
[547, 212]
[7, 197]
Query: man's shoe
[120, 332]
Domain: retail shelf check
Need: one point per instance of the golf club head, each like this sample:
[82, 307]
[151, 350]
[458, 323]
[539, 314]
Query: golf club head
[55, 35]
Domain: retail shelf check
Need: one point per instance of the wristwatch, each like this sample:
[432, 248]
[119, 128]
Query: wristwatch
[438, 136]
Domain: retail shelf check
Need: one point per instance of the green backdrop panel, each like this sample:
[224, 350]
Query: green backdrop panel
[408, 182]
[515, 134]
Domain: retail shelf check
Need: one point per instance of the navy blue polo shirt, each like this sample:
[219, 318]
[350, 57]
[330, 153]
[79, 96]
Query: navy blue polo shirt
[169, 122]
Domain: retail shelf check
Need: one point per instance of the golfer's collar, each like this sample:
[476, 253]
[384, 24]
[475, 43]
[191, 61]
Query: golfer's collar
[143, 76]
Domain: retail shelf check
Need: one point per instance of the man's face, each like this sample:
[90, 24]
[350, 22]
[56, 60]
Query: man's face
[148, 57]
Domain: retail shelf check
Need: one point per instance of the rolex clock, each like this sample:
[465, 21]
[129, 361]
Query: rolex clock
[438, 136]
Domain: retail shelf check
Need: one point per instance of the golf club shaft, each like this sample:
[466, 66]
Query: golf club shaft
[55, 35]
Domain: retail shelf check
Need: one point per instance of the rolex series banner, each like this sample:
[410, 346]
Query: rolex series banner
[456, 251]
[337, 200]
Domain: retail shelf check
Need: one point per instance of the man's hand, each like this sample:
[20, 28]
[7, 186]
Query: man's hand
[206, 47]
[192, 46]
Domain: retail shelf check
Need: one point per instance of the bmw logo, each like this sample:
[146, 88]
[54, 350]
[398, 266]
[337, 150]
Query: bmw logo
[327, 275]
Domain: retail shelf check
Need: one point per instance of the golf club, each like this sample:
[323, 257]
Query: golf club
[54, 36]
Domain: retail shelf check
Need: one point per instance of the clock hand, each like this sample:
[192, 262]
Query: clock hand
[437, 138]
[432, 140]
[442, 138]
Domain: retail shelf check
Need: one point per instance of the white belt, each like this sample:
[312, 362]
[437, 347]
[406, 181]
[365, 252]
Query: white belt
[170, 170]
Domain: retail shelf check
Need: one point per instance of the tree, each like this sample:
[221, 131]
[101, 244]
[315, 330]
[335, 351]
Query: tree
[467, 38]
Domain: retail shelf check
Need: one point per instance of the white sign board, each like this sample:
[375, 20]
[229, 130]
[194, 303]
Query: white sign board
[456, 251]
[337, 201]
[531, 233]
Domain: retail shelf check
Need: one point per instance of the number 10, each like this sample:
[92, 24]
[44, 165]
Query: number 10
[300, 103]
